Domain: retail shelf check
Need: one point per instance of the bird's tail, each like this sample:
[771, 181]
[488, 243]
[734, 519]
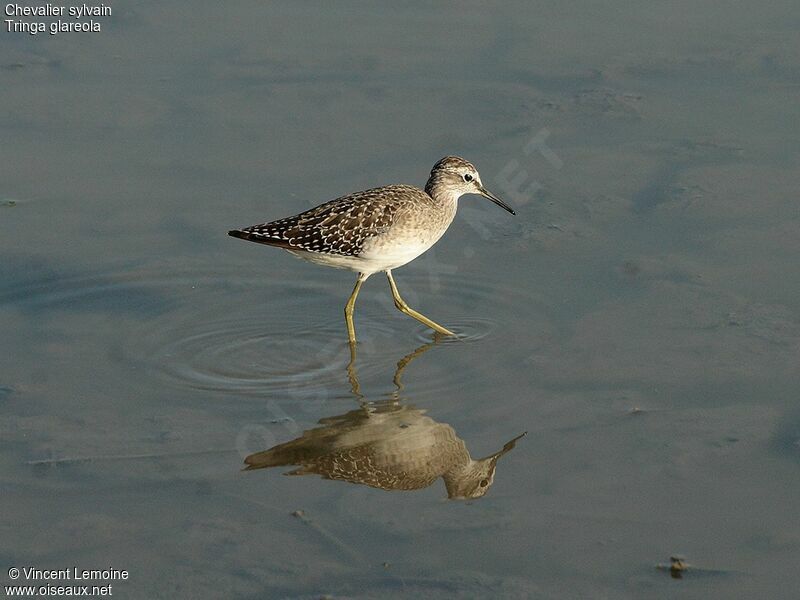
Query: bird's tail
[258, 237]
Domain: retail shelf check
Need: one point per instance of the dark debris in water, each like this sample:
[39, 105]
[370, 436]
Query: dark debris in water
[608, 102]
[17, 61]
[676, 567]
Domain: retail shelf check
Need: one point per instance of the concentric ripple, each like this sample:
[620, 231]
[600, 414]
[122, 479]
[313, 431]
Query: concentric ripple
[250, 355]
[467, 329]
[287, 336]
[232, 328]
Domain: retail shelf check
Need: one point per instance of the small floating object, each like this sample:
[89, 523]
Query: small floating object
[677, 567]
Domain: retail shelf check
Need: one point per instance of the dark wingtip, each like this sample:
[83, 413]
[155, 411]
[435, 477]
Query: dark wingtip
[237, 233]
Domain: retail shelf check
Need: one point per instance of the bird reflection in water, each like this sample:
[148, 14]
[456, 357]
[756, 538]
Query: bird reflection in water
[388, 445]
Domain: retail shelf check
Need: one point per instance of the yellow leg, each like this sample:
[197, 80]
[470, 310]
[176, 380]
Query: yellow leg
[352, 375]
[403, 307]
[348, 309]
[404, 362]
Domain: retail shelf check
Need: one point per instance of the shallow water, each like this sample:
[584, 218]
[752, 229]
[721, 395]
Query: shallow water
[639, 317]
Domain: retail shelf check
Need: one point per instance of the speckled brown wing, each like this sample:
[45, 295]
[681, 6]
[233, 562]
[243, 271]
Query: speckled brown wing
[355, 464]
[332, 451]
[340, 226]
[360, 465]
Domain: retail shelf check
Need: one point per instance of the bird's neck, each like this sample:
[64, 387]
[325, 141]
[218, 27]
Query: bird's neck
[441, 193]
[458, 474]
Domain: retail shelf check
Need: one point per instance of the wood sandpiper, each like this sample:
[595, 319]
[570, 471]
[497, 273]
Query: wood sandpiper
[377, 230]
[387, 445]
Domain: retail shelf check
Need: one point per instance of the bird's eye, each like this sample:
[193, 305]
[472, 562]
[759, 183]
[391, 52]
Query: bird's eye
[484, 482]
[467, 177]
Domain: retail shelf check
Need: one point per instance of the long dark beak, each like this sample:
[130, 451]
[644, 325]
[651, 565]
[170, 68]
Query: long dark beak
[506, 449]
[487, 194]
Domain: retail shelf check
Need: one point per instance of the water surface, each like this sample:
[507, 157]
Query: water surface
[639, 317]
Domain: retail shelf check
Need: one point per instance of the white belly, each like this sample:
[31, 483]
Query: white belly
[390, 256]
[373, 258]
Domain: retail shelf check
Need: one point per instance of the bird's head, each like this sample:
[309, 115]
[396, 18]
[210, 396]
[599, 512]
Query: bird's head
[475, 479]
[455, 176]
